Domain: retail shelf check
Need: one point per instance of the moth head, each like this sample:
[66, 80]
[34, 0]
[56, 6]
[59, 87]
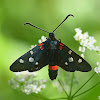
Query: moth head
[52, 36]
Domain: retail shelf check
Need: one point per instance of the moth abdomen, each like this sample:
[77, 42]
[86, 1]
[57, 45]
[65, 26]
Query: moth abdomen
[53, 72]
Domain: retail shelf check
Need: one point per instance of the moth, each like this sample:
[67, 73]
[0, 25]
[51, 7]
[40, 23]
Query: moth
[53, 53]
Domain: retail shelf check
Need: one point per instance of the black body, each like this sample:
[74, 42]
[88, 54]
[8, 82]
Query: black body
[53, 74]
[51, 54]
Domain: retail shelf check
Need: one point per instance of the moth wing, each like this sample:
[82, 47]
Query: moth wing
[70, 61]
[33, 60]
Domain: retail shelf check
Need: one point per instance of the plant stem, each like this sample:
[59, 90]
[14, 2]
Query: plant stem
[71, 84]
[62, 87]
[86, 90]
[83, 85]
[58, 98]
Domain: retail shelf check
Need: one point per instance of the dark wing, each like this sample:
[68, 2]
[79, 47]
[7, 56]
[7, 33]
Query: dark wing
[33, 60]
[70, 61]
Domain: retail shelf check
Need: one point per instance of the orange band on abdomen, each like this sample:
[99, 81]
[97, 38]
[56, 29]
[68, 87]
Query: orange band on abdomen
[53, 67]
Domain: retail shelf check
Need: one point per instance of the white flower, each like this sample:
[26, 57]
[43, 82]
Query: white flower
[25, 73]
[92, 40]
[15, 86]
[40, 41]
[97, 48]
[82, 55]
[29, 88]
[97, 70]
[98, 64]
[78, 30]
[90, 46]
[37, 90]
[25, 81]
[27, 91]
[84, 42]
[78, 36]
[85, 35]
[43, 38]
[82, 49]
[42, 86]
[13, 83]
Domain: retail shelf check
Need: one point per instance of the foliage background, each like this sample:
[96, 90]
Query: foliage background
[15, 39]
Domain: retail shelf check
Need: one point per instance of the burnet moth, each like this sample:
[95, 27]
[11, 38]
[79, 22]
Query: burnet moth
[52, 53]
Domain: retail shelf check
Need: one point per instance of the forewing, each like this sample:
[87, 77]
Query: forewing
[70, 61]
[33, 60]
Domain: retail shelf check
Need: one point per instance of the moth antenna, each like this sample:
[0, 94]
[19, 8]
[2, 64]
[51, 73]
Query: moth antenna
[36, 27]
[63, 21]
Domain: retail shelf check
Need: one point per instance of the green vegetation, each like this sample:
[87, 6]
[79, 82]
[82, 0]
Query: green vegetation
[16, 39]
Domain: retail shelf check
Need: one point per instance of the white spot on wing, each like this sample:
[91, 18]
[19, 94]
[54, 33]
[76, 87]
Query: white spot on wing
[70, 59]
[70, 52]
[31, 59]
[80, 60]
[21, 60]
[66, 63]
[31, 52]
[33, 46]
[36, 63]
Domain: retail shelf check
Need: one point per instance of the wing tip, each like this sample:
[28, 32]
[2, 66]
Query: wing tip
[87, 70]
[12, 69]
[15, 69]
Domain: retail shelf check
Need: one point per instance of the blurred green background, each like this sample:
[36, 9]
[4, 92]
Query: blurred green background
[15, 39]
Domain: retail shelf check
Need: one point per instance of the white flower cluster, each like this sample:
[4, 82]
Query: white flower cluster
[26, 82]
[97, 69]
[85, 41]
[43, 39]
